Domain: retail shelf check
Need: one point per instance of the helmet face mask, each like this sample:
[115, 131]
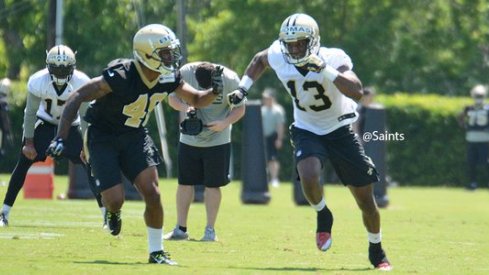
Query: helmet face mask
[157, 48]
[299, 38]
[60, 61]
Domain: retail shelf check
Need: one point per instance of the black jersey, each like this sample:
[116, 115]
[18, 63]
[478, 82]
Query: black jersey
[131, 101]
[477, 118]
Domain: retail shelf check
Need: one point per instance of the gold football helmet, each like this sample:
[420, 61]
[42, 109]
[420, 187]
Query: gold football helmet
[157, 48]
[295, 28]
[60, 61]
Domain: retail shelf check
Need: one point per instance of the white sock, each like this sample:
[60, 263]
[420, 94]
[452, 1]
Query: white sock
[155, 239]
[320, 205]
[375, 237]
[103, 210]
[6, 210]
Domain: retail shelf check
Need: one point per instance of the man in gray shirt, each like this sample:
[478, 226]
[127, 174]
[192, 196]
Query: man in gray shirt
[203, 157]
[273, 120]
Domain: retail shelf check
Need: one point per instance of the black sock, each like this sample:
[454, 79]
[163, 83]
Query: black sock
[183, 228]
[374, 246]
[324, 220]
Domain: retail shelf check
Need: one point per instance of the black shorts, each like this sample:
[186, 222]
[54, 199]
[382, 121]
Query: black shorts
[207, 166]
[342, 148]
[477, 153]
[45, 132]
[110, 153]
[270, 146]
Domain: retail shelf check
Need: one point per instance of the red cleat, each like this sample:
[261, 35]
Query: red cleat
[384, 266]
[323, 240]
[377, 258]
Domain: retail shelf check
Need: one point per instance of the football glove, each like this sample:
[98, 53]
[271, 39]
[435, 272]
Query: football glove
[192, 125]
[237, 96]
[55, 148]
[315, 64]
[217, 82]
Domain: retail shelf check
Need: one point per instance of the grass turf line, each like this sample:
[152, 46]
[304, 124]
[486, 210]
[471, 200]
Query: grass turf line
[425, 230]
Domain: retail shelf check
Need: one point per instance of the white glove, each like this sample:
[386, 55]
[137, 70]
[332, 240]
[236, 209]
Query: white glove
[315, 63]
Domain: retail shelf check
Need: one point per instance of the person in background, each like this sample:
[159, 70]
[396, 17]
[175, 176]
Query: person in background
[204, 155]
[475, 120]
[366, 100]
[6, 138]
[273, 120]
[48, 90]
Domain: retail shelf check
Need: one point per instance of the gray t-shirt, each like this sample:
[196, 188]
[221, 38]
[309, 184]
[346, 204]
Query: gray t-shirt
[217, 110]
[271, 118]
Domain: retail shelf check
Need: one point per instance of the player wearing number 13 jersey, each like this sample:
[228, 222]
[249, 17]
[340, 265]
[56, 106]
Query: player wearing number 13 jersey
[117, 140]
[324, 90]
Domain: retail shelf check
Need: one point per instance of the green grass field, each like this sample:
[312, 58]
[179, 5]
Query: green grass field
[425, 230]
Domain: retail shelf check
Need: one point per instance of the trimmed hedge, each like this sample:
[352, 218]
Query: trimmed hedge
[432, 153]
[434, 149]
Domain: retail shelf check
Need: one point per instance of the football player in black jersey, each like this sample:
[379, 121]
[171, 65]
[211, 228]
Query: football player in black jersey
[475, 120]
[117, 140]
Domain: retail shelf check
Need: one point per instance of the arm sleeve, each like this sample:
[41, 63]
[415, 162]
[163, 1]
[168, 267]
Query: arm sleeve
[31, 107]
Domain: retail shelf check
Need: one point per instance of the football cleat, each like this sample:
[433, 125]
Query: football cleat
[323, 240]
[176, 235]
[114, 222]
[160, 257]
[377, 258]
[209, 235]
[3, 220]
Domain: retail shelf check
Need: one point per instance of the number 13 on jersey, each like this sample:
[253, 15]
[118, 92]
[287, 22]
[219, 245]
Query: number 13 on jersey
[318, 91]
[137, 111]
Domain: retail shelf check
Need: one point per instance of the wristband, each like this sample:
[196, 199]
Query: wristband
[330, 73]
[243, 91]
[246, 82]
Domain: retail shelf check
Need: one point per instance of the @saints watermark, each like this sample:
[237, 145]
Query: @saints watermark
[383, 136]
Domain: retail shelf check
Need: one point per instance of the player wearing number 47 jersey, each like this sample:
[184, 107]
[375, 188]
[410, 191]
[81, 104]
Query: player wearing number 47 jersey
[324, 90]
[48, 90]
[117, 140]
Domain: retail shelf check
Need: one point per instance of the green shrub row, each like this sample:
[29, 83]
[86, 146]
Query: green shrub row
[432, 152]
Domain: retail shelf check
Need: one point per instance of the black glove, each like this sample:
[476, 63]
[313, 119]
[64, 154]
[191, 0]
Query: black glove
[192, 125]
[217, 82]
[237, 96]
[55, 148]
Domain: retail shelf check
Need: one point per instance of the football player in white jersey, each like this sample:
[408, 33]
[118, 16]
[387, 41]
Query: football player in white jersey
[48, 90]
[325, 91]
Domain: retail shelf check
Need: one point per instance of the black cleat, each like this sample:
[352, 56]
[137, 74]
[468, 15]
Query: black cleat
[160, 257]
[114, 222]
[377, 258]
[3, 220]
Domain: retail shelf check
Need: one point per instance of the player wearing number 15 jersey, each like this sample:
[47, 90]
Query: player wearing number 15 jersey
[324, 90]
[124, 97]
[48, 90]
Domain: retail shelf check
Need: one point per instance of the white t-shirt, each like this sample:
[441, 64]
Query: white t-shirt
[52, 103]
[219, 109]
[319, 106]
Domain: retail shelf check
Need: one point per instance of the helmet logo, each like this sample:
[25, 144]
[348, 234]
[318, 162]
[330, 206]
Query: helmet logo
[295, 29]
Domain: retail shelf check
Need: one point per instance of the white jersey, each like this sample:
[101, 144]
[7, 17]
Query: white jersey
[52, 103]
[319, 106]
